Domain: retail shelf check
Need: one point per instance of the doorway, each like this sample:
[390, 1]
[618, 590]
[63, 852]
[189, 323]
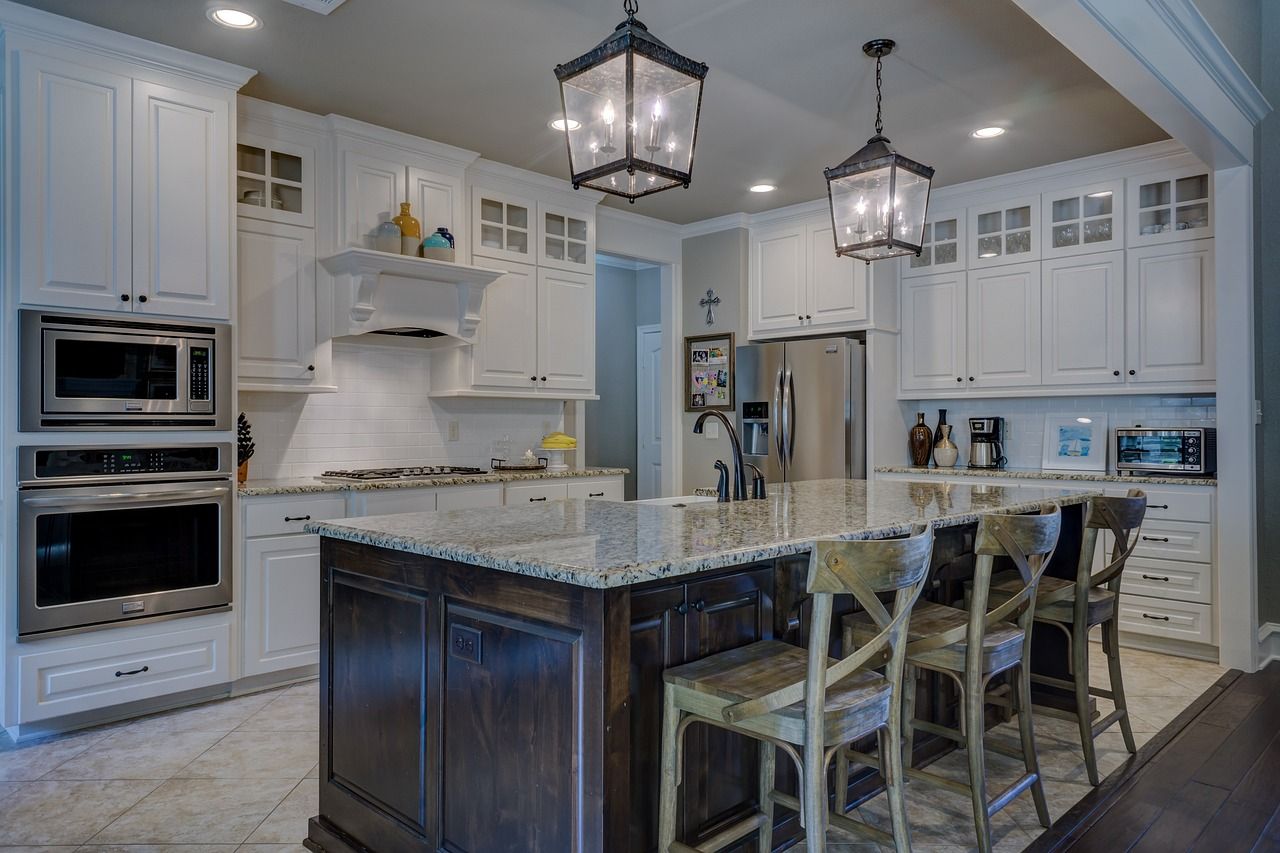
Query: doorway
[649, 430]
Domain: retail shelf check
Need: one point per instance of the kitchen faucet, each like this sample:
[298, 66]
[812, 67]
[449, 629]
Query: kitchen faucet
[739, 470]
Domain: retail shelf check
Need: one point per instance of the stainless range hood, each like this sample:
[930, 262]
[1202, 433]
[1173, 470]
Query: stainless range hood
[380, 293]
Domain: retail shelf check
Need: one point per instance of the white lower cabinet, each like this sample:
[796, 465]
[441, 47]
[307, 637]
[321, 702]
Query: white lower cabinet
[1161, 617]
[99, 674]
[605, 490]
[281, 609]
[469, 497]
[541, 491]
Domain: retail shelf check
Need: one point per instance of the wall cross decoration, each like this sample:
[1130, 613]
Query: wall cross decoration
[710, 301]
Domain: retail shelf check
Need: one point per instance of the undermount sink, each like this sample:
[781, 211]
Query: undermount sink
[679, 501]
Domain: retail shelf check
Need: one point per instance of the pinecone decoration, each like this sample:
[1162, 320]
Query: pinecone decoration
[244, 440]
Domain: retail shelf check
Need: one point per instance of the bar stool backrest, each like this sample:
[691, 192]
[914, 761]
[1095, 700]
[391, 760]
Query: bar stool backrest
[863, 568]
[1123, 517]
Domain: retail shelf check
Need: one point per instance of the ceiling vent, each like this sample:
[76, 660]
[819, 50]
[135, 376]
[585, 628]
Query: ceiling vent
[324, 7]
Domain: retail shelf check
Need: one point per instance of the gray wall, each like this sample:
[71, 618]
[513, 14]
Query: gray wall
[1237, 23]
[1267, 314]
[718, 262]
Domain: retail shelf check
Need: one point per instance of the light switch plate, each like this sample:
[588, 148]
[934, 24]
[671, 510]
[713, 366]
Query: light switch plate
[711, 429]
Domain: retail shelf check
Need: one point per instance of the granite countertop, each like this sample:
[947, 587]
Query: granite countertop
[1040, 474]
[602, 544]
[310, 485]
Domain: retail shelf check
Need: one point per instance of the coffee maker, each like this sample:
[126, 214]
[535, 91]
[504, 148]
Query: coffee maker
[986, 443]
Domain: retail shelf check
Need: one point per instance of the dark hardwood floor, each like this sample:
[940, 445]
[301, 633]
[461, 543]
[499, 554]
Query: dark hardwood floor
[1210, 781]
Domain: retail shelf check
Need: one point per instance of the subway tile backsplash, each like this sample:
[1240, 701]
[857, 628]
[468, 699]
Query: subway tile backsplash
[382, 416]
[1024, 420]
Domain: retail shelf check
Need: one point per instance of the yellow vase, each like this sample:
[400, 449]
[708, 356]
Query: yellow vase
[410, 230]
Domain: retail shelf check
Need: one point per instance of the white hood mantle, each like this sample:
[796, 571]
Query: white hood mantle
[380, 292]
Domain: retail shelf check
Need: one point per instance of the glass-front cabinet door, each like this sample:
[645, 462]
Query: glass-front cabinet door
[1004, 233]
[568, 239]
[274, 181]
[943, 249]
[1083, 220]
[1170, 206]
[504, 227]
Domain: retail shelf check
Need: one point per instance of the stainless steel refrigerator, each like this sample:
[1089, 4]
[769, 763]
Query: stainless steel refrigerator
[801, 409]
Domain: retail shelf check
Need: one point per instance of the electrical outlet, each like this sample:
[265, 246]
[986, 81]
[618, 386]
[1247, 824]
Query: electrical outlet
[464, 643]
[711, 429]
[453, 430]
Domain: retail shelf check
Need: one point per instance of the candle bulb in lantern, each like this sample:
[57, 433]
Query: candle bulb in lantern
[655, 128]
[608, 115]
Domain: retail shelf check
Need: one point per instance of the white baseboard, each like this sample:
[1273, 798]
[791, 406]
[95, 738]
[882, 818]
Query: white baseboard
[1268, 643]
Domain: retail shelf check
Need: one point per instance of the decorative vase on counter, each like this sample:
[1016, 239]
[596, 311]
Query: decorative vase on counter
[937, 431]
[438, 245]
[410, 230]
[945, 452]
[920, 442]
[386, 237]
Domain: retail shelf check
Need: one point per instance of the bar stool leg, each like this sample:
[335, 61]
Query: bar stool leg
[841, 793]
[1111, 632]
[908, 715]
[1026, 731]
[814, 803]
[1080, 665]
[974, 702]
[768, 766]
[670, 770]
[891, 770]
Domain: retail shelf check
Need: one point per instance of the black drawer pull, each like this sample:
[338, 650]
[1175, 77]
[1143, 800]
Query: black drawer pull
[297, 518]
[120, 674]
[1155, 538]
[1157, 506]
[1156, 618]
[699, 605]
[1155, 578]
[595, 494]
[535, 500]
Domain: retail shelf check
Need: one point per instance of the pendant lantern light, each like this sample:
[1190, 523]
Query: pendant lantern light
[878, 197]
[631, 109]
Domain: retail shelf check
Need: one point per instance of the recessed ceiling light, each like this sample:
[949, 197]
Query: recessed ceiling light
[987, 132]
[236, 19]
[560, 124]
[763, 188]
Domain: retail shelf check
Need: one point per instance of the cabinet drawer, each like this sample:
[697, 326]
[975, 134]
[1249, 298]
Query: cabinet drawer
[1173, 579]
[1175, 540]
[534, 493]
[608, 490]
[81, 678]
[469, 497]
[276, 516]
[1178, 506]
[392, 501]
[1178, 620]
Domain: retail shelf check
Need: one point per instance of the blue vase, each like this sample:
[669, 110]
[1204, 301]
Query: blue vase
[443, 231]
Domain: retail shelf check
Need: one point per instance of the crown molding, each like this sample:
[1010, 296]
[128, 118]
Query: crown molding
[535, 181]
[68, 32]
[459, 158]
[255, 109]
[626, 217]
[719, 223]
[623, 263]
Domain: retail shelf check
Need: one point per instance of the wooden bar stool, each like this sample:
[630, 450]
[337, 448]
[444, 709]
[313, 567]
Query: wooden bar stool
[798, 701]
[972, 647]
[1092, 599]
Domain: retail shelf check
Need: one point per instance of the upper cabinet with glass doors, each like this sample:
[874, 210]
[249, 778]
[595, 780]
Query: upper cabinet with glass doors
[274, 181]
[1082, 220]
[568, 239]
[1004, 233]
[1169, 206]
[504, 226]
[943, 249]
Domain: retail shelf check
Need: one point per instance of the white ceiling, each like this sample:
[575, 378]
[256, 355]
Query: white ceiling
[789, 90]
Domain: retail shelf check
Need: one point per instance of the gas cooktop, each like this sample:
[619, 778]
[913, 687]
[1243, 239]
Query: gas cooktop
[415, 472]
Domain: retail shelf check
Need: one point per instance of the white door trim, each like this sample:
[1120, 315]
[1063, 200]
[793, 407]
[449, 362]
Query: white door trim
[644, 402]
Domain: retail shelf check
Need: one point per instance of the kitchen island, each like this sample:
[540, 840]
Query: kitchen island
[491, 679]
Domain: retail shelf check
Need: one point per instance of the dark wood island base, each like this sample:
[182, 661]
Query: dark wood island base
[468, 709]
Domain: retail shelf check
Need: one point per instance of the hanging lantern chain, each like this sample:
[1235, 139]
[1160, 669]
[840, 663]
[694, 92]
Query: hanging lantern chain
[879, 65]
[630, 7]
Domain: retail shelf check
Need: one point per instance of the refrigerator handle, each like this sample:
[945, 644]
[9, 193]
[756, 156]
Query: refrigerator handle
[789, 409]
[775, 422]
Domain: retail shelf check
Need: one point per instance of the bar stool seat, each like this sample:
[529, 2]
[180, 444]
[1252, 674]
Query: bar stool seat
[1001, 645]
[1056, 600]
[855, 706]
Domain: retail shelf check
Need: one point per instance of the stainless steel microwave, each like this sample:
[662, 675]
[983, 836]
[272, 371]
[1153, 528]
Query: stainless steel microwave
[1189, 452]
[109, 372]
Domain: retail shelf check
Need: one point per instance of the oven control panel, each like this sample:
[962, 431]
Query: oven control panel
[199, 356]
[78, 462]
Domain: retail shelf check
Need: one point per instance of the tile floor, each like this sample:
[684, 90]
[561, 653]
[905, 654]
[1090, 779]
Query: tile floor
[241, 775]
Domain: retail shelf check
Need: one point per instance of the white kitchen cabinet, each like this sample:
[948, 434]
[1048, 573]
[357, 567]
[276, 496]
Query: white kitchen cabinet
[943, 249]
[1082, 319]
[539, 491]
[1004, 233]
[566, 331]
[1170, 206]
[277, 331]
[933, 338]
[469, 497]
[181, 205]
[372, 188]
[279, 610]
[436, 198]
[1169, 313]
[506, 351]
[777, 274]
[74, 184]
[566, 239]
[1003, 326]
[1083, 220]
[504, 226]
[275, 180]
[799, 286]
[836, 287]
[602, 489]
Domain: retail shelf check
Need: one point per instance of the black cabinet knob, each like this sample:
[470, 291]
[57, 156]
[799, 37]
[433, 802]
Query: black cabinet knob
[124, 297]
[1115, 373]
[142, 298]
[1133, 373]
[800, 317]
[699, 605]
[970, 378]
[682, 608]
[808, 316]
[959, 378]
[533, 379]
[311, 367]
[543, 379]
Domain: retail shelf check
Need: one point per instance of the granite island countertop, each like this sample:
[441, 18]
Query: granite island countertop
[602, 544]
[1041, 474]
[311, 486]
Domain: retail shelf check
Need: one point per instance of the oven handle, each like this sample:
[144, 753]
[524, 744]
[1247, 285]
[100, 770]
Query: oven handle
[130, 497]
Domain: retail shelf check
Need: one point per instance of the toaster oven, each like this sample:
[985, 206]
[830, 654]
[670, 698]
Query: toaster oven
[1189, 452]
